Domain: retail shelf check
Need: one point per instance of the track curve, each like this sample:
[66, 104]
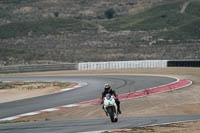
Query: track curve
[120, 83]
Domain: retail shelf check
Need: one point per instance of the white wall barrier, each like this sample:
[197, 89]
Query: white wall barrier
[122, 65]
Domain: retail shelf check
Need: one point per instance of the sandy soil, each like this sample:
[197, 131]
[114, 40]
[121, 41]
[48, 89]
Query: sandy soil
[182, 101]
[189, 127]
[22, 91]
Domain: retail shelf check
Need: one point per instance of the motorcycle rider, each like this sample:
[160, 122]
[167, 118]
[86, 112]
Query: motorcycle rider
[108, 89]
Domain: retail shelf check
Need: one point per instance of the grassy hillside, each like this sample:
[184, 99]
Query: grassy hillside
[34, 31]
[190, 29]
[44, 26]
[160, 17]
[164, 17]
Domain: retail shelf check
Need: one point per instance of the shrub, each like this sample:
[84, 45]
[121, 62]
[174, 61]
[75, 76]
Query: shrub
[110, 13]
[56, 14]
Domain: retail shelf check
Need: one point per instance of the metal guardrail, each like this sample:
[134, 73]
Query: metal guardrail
[37, 68]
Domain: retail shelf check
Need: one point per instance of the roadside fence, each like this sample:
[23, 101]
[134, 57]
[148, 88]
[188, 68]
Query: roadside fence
[102, 65]
[122, 65]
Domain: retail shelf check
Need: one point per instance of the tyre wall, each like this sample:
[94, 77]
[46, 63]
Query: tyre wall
[182, 63]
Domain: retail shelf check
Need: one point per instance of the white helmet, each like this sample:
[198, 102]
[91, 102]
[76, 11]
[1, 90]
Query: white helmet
[107, 87]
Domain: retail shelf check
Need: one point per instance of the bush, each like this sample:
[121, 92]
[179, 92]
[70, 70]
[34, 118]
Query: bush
[110, 13]
[56, 14]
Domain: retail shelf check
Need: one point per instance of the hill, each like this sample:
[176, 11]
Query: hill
[54, 31]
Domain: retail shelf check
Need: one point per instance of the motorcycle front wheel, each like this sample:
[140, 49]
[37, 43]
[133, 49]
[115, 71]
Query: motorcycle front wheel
[111, 114]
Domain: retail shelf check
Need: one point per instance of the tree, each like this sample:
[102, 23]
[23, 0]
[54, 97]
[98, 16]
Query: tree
[56, 14]
[109, 13]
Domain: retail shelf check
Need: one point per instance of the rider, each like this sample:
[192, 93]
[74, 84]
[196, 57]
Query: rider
[108, 89]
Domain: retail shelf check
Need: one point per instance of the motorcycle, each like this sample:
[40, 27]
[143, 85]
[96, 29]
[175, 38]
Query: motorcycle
[110, 107]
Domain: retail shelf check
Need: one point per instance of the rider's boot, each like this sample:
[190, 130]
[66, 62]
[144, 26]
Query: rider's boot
[118, 107]
[119, 111]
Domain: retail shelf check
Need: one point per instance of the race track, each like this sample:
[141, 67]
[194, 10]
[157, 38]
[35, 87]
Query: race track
[74, 126]
[120, 83]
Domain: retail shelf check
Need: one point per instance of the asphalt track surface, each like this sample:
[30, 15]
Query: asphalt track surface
[120, 83]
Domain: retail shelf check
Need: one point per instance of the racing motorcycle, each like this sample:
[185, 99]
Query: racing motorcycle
[110, 107]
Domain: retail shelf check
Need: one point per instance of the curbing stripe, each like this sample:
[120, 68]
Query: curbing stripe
[81, 84]
[70, 105]
[160, 89]
[9, 118]
[49, 110]
[29, 114]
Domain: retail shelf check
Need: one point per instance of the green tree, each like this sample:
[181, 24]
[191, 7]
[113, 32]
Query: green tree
[110, 13]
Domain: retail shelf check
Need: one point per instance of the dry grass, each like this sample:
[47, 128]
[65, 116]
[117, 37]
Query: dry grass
[20, 90]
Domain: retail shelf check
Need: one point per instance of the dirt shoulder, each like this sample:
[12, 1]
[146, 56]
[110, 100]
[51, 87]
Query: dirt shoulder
[189, 127]
[13, 91]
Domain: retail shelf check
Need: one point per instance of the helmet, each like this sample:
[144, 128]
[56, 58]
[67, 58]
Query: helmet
[107, 87]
